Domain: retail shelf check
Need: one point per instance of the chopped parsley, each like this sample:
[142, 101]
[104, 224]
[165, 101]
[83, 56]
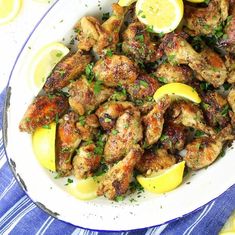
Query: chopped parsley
[82, 120]
[109, 53]
[105, 16]
[144, 84]
[114, 132]
[69, 181]
[140, 38]
[89, 72]
[119, 198]
[46, 127]
[97, 87]
[225, 110]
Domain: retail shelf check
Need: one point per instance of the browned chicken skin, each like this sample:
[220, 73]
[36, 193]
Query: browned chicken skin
[118, 178]
[128, 132]
[66, 70]
[231, 101]
[202, 151]
[155, 160]
[43, 111]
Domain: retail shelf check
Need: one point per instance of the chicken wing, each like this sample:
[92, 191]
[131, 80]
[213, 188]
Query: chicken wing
[85, 161]
[138, 44]
[155, 160]
[204, 150]
[43, 110]
[115, 70]
[154, 121]
[230, 64]
[128, 132]
[66, 70]
[118, 178]
[83, 96]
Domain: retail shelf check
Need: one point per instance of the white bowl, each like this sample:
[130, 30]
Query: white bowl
[49, 193]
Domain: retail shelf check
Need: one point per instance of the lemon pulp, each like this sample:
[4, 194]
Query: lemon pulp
[44, 145]
[163, 181]
[125, 3]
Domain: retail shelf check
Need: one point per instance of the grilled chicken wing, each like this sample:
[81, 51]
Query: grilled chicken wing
[143, 87]
[128, 132]
[154, 121]
[208, 65]
[110, 111]
[205, 20]
[83, 98]
[67, 140]
[43, 110]
[93, 34]
[190, 115]
[115, 70]
[204, 150]
[155, 160]
[118, 178]
[138, 44]
[215, 109]
[66, 70]
[85, 161]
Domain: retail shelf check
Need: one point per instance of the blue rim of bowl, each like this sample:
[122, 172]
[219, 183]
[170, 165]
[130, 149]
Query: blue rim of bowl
[4, 126]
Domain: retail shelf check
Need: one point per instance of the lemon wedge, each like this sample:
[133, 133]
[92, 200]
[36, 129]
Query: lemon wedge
[84, 189]
[43, 62]
[9, 10]
[126, 3]
[229, 227]
[44, 145]
[177, 89]
[161, 16]
[163, 181]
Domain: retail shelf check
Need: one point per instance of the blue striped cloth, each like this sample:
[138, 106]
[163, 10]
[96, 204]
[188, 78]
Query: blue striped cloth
[19, 215]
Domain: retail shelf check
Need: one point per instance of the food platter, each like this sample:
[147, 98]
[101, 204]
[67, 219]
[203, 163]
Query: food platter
[134, 212]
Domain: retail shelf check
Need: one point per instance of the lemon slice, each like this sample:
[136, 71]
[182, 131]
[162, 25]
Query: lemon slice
[161, 16]
[84, 189]
[196, 1]
[43, 63]
[44, 145]
[126, 3]
[178, 89]
[229, 227]
[9, 10]
[163, 181]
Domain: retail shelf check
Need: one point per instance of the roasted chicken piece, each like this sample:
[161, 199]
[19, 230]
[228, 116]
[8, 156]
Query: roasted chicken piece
[215, 109]
[189, 115]
[173, 136]
[86, 161]
[138, 44]
[128, 132]
[231, 101]
[205, 20]
[154, 121]
[201, 152]
[230, 64]
[110, 111]
[43, 110]
[66, 70]
[67, 140]
[115, 70]
[168, 73]
[118, 178]
[83, 96]
[100, 37]
[207, 65]
[143, 87]
[155, 160]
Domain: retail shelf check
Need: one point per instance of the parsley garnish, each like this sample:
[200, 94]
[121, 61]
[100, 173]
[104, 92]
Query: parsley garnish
[97, 87]
[115, 132]
[82, 120]
[69, 181]
[144, 84]
[89, 72]
[105, 16]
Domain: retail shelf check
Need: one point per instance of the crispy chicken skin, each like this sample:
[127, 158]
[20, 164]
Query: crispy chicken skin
[154, 121]
[66, 70]
[110, 111]
[202, 151]
[83, 97]
[189, 115]
[128, 132]
[143, 87]
[205, 20]
[118, 178]
[138, 45]
[169, 73]
[100, 37]
[230, 64]
[43, 111]
[231, 101]
[155, 160]
[215, 109]
[114, 70]
[67, 140]
[85, 161]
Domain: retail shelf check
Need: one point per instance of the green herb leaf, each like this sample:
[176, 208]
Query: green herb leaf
[140, 38]
[109, 53]
[114, 132]
[105, 16]
[46, 127]
[97, 87]
[119, 198]
[225, 110]
[89, 72]
[144, 84]
[69, 181]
